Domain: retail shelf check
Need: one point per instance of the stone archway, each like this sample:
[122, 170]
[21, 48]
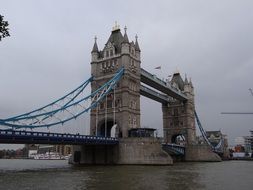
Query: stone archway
[178, 139]
[108, 129]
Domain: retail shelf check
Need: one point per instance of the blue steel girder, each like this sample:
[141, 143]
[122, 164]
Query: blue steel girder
[158, 84]
[26, 137]
[37, 118]
[174, 149]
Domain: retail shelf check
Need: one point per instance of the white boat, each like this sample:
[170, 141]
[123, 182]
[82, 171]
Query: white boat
[49, 156]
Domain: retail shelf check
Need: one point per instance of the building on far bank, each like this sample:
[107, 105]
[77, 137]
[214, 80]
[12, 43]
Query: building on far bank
[34, 149]
[64, 150]
[243, 144]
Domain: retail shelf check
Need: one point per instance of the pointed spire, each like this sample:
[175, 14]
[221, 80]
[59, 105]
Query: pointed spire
[95, 46]
[190, 83]
[137, 48]
[186, 80]
[125, 36]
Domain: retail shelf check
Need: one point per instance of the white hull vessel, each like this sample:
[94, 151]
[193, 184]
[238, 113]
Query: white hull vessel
[49, 156]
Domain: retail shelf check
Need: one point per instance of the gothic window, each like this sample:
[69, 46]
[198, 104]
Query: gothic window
[175, 112]
[111, 52]
[176, 123]
[107, 53]
[134, 121]
[117, 103]
[130, 119]
[102, 106]
[109, 103]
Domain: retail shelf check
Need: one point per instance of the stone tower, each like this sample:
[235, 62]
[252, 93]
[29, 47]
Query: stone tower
[178, 117]
[123, 109]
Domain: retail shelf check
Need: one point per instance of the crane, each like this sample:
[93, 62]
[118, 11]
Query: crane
[251, 92]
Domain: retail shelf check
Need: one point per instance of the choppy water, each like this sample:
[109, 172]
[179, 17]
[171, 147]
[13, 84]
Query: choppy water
[58, 175]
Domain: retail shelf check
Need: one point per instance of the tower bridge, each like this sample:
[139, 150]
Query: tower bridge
[117, 83]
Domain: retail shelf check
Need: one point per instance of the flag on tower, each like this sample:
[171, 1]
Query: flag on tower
[159, 67]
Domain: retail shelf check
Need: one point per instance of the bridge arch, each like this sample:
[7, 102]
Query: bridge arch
[178, 139]
[107, 128]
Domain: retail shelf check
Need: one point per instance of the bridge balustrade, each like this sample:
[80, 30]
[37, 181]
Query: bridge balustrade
[11, 136]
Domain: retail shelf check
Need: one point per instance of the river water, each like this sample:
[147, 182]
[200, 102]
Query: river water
[59, 175]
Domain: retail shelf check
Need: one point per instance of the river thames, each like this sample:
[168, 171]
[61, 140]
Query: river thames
[59, 175]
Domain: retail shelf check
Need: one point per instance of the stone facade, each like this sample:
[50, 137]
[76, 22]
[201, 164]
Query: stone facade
[178, 117]
[117, 53]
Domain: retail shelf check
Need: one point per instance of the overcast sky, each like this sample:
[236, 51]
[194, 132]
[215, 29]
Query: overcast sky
[48, 53]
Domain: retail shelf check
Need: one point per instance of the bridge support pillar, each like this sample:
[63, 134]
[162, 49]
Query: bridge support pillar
[133, 151]
[201, 153]
[143, 151]
[93, 154]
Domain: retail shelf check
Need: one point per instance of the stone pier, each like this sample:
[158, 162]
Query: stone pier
[201, 153]
[133, 151]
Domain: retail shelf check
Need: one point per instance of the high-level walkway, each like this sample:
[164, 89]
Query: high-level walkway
[158, 84]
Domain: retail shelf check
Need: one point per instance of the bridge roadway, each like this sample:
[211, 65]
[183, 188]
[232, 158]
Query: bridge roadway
[174, 149]
[158, 84]
[25, 137]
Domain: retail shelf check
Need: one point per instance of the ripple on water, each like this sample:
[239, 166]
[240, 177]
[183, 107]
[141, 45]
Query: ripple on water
[58, 175]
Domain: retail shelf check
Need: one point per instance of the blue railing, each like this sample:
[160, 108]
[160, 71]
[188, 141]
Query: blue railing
[30, 137]
[174, 149]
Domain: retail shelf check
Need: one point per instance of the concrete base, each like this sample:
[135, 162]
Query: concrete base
[146, 151]
[93, 154]
[142, 151]
[201, 153]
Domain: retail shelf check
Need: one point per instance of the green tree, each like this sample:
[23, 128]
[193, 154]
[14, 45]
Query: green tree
[3, 28]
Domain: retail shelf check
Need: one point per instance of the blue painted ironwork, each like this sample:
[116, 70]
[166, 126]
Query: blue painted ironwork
[51, 116]
[219, 146]
[174, 149]
[27, 137]
[82, 87]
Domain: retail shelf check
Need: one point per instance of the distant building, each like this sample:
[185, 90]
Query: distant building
[64, 150]
[243, 144]
[34, 149]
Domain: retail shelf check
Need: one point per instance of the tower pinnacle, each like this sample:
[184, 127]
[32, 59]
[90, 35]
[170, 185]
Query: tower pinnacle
[137, 48]
[95, 46]
[125, 36]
